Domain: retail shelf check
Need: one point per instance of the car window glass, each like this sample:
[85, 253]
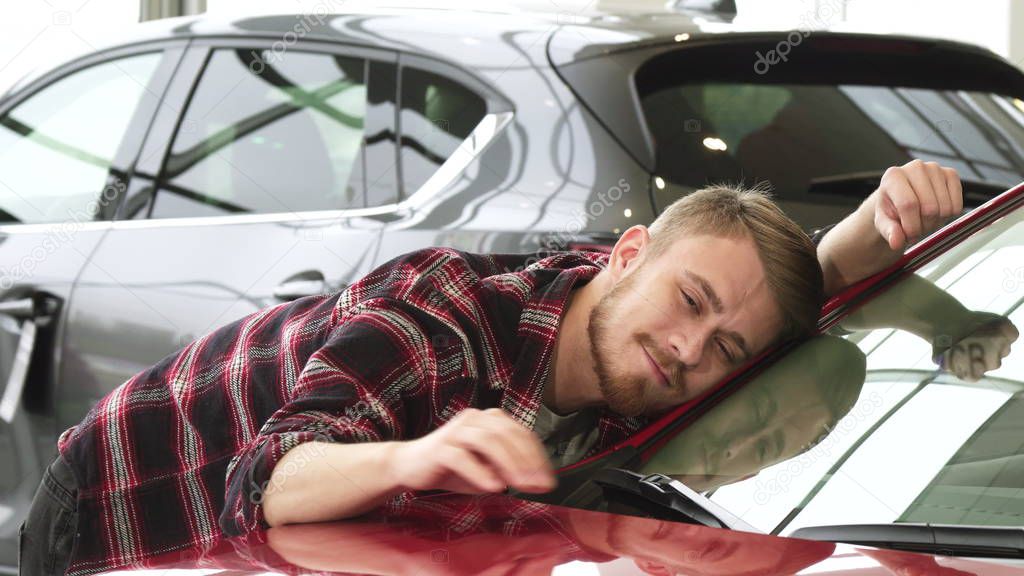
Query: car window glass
[268, 135]
[437, 114]
[886, 474]
[58, 146]
[912, 410]
[381, 159]
[778, 488]
[824, 147]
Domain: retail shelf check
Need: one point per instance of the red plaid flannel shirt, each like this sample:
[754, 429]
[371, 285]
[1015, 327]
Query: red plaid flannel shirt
[177, 456]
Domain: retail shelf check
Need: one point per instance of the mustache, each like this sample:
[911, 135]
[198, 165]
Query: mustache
[673, 369]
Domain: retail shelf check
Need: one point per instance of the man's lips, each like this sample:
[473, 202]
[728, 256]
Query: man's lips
[657, 369]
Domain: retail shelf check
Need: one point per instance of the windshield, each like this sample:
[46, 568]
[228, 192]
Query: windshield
[863, 426]
[800, 137]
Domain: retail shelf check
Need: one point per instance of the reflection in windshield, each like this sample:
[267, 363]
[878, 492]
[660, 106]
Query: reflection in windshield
[780, 414]
[968, 343]
[936, 432]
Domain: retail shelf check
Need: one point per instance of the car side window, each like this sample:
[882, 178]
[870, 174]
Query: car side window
[58, 146]
[437, 114]
[269, 133]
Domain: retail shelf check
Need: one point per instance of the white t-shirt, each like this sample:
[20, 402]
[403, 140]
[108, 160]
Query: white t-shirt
[566, 437]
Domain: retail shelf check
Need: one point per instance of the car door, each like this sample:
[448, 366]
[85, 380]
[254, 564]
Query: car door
[66, 145]
[250, 191]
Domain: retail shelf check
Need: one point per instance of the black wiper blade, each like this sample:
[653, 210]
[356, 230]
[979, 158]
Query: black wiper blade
[861, 184]
[943, 539]
[8, 218]
[666, 498]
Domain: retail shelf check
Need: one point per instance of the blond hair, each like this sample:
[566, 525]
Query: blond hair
[792, 272]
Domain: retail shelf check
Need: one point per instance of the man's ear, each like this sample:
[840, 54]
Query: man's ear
[629, 251]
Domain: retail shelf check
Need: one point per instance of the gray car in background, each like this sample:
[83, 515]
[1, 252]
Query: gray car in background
[156, 189]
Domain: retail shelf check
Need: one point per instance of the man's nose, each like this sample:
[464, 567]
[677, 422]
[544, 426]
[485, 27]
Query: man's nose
[688, 348]
[741, 443]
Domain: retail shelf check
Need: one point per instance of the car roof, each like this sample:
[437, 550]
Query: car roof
[569, 35]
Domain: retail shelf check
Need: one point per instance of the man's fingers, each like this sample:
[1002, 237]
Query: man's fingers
[914, 200]
[509, 446]
[940, 191]
[526, 442]
[466, 466]
[497, 451]
[905, 195]
[984, 359]
[1009, 331]
[956, 362]
[956, 190]
[527, 446]
[887, 221]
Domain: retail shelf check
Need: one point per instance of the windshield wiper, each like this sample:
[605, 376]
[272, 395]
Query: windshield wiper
[861, 184]
[665, 498]
[944, 539]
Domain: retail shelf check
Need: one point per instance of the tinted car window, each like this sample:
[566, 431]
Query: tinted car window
[824, 147]
[381, 159]
[914, 414]
[280, 134]
[58, 146]
[437, 115]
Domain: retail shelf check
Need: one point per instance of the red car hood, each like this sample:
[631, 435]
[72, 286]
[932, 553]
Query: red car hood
[494, 534]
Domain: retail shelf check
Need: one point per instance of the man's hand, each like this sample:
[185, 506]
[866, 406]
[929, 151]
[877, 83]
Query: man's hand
[476, 451]
[910, 202]
[914, 200]
[987, 342]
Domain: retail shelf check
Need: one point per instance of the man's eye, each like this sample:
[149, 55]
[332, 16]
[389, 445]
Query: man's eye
[759, 414]
[690, 301]
[725, 351]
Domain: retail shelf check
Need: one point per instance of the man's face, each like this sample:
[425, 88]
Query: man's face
[673, 326]
[759, 426]
[663, 547]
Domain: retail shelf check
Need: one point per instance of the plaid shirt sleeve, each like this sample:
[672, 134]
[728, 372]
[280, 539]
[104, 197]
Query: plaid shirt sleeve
[339, 397]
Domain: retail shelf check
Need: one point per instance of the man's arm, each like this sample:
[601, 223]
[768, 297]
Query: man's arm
[911, 201]
[477, 451]
[339, 446]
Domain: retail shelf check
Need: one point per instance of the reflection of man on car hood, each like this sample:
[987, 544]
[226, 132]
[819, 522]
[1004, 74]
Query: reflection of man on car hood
[430, 372]
[500, 535]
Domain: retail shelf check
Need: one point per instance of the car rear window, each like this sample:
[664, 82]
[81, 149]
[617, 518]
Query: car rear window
[824, 147]
[819, 125]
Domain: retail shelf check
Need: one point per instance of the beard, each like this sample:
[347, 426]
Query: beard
[623, 395]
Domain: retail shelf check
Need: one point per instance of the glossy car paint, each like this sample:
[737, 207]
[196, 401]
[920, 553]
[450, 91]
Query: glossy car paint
[454, 534]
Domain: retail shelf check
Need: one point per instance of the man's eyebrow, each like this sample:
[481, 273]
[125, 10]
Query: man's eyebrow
[709, 292]
[716, 305]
